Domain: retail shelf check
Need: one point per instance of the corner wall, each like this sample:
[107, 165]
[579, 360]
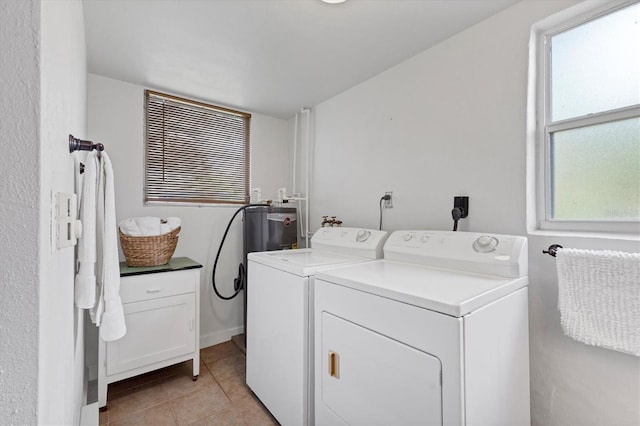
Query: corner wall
[19, 209]
[451, 121]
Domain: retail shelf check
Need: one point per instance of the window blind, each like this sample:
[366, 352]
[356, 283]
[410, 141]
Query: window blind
[195, 152]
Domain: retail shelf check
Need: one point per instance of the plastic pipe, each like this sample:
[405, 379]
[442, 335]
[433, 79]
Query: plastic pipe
[307, 174]
[295, 153]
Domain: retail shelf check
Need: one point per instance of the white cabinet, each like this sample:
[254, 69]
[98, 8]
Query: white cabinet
[161, 307]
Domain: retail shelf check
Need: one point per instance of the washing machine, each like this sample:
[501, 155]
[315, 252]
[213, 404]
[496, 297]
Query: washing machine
[280, 316]
[436, 333]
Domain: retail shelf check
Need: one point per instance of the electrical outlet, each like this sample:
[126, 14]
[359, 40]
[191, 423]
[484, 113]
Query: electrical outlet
[388, 204]
[463, 204]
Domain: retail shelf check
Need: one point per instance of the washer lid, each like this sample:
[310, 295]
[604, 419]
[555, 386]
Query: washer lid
[302, 262]
[449, 292]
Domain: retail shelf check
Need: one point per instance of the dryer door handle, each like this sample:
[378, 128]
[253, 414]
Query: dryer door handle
[334, 365]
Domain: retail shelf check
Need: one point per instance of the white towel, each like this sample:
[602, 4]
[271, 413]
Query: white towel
[599, 298]
[169, 224]
[148, 225]
[130, 227]
[108, 313]
[85, 280]
[173, 222]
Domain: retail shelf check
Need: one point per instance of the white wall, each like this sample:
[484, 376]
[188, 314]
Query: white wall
[451, 121]
[19, 198]
[63, 111]
[43, 80]
[116, 119]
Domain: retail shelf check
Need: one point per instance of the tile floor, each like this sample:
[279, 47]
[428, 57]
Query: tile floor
[169, 396]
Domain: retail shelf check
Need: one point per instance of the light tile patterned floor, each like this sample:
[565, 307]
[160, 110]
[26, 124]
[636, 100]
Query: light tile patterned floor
[169, 396]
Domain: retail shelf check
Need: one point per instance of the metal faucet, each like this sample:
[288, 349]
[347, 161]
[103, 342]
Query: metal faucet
[330, 222]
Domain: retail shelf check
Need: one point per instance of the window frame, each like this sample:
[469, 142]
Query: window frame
[154, 201]
[540, 126]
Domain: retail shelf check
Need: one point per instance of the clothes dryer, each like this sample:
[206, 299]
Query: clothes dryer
[280, 316]
[435, 333]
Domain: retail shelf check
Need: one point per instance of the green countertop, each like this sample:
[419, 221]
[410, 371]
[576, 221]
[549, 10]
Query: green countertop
[175, 264]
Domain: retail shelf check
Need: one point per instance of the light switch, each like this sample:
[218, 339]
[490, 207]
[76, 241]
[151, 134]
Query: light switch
[68, 227]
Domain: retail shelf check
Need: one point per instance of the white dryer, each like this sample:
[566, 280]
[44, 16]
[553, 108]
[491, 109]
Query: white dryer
[280, 316]
[435, 333]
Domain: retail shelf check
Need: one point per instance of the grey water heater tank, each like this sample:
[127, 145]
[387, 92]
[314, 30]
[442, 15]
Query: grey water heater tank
[267, 228]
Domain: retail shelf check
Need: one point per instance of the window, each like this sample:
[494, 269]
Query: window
[195, 153]
[586, 86]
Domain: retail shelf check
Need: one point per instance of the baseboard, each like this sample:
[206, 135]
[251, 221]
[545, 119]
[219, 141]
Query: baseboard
[217, 337]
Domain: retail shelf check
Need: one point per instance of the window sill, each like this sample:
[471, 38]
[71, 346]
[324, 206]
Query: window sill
[584, 234]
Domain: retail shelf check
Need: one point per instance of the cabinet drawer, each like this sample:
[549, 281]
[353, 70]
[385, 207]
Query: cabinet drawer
[153, 286]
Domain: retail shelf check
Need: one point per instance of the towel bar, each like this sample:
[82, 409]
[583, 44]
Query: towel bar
[76, 144]
[552, 250]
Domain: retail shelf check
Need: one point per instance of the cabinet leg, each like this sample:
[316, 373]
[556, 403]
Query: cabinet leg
[194, 378]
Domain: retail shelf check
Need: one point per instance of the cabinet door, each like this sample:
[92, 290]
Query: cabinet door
[368, 378]
[157, 330]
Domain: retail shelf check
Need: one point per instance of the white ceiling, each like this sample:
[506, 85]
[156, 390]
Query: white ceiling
[267, 56]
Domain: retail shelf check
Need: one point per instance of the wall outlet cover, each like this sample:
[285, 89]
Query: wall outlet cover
[388, 204]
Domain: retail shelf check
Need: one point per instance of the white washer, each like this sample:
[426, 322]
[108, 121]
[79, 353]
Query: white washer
[280, 316]
[435, 333]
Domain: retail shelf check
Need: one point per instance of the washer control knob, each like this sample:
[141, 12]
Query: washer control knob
[424, 239]
[363, 235]
[485, 244]
[407, 237]
[484, 241]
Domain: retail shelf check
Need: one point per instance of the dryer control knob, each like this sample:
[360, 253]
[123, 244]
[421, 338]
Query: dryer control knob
[424, 239]
[407, 237]
[485, 244]
[363, 235]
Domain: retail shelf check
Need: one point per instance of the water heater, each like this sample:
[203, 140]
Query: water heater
[267, 228]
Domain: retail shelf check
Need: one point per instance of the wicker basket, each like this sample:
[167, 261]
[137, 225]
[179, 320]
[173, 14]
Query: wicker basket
[149, 251]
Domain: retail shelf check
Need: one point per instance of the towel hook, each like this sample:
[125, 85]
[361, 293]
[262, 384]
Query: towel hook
[552, 250]
[76, 144]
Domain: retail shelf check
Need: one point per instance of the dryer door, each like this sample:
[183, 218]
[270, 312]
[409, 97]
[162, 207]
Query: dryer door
[368, 378]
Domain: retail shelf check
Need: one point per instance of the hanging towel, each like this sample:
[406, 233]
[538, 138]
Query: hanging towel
[599, 298]
[108, 313]
[85, 280]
